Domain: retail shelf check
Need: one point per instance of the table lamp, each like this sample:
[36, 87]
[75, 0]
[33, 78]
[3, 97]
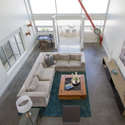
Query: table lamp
[24, 104]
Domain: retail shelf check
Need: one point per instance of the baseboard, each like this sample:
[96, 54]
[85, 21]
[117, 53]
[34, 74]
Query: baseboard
[106, 50]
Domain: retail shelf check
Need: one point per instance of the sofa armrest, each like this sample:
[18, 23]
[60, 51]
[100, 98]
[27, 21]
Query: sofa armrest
[39, 99]
[35, 94]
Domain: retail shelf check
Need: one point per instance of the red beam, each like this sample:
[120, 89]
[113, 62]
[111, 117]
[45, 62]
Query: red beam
[87, 14]
[94, 27]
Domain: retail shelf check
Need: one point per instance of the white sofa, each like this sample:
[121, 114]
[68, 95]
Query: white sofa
[69, 61]
[39, 81]
[40, 91]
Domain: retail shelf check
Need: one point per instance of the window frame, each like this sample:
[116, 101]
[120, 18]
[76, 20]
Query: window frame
[6, 41]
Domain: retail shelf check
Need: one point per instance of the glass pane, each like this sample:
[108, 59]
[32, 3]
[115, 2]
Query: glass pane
[3, 59]
[96, 22]
[14, 47]
[19, 41]
[9, 53]
[69, 34]
[69, 27]
[44, 23]
[68, 6]
[95, 6]
[69, 22]
[88, 29]
[45, 29]
[43, 6]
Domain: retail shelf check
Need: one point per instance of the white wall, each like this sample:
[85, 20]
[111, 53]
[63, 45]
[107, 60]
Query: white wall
[114, 33]
[13, 15]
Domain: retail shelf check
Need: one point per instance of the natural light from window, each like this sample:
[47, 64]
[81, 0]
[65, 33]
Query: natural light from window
[67, 6]
[95, 6]
[43, 6]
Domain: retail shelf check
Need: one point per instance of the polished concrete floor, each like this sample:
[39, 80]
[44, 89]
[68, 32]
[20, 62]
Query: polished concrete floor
[103, 106]
[69, 44]
[8, 112]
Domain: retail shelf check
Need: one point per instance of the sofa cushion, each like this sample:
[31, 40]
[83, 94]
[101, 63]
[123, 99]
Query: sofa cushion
[74, 63]
[61, 63]
[45, 74]
[61, 57]
[44, 86]
[75, 57]
[56, 56]
[64, 57]
[44, 64]
[33, 85]
[44, 82]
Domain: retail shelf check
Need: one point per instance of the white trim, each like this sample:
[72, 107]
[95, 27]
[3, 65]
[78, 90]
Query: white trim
[28, 5]
[67, 16]
[105, 20]
[82, 34]
[24, 58]
[2, 42]
[106, 50]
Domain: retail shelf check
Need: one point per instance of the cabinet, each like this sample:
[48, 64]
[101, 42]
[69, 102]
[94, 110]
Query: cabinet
[117, 82]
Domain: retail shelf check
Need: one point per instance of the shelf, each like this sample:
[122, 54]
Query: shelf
[117, 80]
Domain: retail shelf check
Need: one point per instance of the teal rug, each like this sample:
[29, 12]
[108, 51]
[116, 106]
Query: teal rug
[54, 108]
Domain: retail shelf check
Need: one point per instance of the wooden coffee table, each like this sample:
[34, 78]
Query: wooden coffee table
[72, 94]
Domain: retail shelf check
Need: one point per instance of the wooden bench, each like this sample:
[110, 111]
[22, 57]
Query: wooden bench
[117, 81]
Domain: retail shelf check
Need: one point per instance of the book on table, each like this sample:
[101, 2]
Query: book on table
[69, 86]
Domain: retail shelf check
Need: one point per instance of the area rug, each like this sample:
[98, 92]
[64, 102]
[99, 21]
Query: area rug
[54, 108]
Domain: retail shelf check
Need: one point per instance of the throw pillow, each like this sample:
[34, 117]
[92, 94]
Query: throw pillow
[40, 74]
[33, 85]
[49, 60]
[44, 64]
[64, 57]
[40, 66]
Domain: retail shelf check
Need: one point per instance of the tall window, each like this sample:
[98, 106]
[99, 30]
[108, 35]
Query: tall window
[95, 6]
[98, 23]
[44, 25]
[43, 6]
[11, 50]
[68, 6]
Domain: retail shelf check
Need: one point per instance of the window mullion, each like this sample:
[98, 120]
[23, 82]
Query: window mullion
[12, 50]
[6, 57]
[17, 45]
[21, 41]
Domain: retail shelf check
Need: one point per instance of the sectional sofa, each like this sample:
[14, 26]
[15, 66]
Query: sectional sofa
[39, 81]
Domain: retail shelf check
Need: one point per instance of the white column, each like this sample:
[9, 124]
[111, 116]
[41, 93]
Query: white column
[55, 32]
[82, 33]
